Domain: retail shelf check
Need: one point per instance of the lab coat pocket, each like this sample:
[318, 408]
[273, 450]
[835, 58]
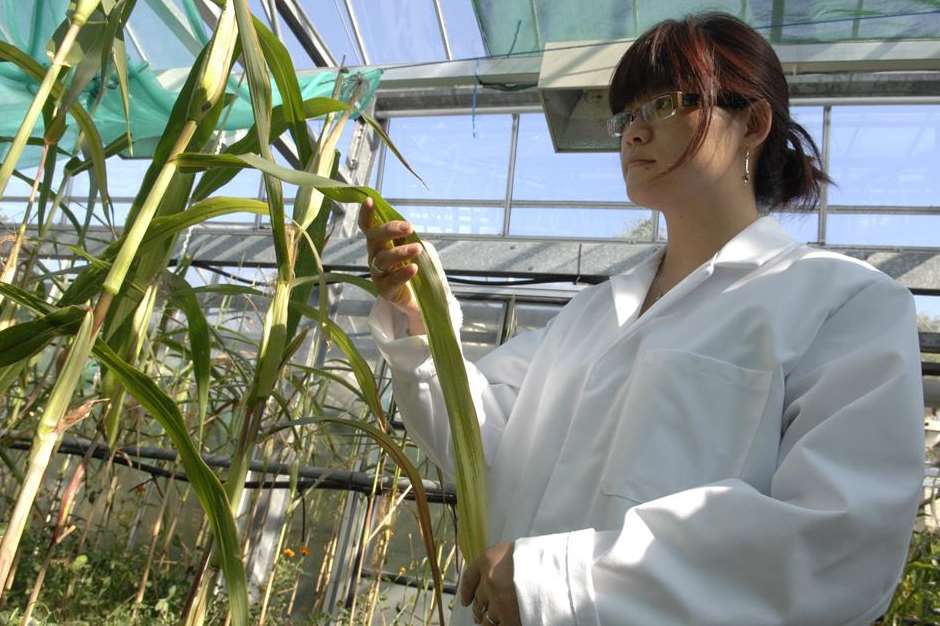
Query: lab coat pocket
[683, 420]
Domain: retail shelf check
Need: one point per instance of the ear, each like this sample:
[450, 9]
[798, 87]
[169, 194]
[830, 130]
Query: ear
[760, 118]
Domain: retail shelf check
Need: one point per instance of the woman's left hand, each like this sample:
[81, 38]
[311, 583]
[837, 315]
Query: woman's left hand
[488, 584]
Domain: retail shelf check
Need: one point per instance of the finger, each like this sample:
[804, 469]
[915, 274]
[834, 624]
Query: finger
[479, 608]
[381, 237]
[389, 284]
[469, 582]
[366, 215]
[397, 257]
[396, 291]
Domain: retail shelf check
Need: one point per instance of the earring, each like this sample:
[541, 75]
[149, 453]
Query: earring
[747, 166]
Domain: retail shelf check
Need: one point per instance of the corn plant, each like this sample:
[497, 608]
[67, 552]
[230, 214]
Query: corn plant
[52, 328]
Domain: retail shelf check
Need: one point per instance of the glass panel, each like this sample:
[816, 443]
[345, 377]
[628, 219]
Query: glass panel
[124, 176]
[801, 226]
[332, 23]
[374, 174]
[399, 31]
[810, 118]
[298, 55]
[19, 188]
[119, 216]
[161, 44]
[457, 156]
[882, 229]
[534, 316]
[626, 224]
[928, 313]
[482, 322]
[352, 315]
[457, 220]
[543, 174]
[885, 155]
[12, 211]
[463, 30]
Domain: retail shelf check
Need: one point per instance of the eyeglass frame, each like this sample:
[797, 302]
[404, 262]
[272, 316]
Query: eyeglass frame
[680, 100]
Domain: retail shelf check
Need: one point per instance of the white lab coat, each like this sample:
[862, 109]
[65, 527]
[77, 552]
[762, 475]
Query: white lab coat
[747, 452]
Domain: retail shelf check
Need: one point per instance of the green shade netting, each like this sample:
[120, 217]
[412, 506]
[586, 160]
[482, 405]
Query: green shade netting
[520, 26]
[29, 26]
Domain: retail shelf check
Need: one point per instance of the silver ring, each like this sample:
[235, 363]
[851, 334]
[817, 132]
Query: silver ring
[490, 619]
[375, 269]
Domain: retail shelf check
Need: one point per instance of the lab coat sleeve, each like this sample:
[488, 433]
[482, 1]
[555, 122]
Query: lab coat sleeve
[826, 545]
[494, 379]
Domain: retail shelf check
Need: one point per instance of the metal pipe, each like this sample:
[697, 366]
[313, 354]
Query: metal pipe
[443, 27]
[406, 581]
[824, 192]
[383, 150]
[307, 34]
[311, 477]
[511, 176]
[356, 31]
[864, 101]
[437, 112]
[271, 12]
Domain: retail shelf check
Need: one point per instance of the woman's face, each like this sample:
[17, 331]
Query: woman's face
[650, 148]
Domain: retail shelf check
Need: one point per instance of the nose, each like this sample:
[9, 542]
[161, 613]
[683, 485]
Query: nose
[636, 133]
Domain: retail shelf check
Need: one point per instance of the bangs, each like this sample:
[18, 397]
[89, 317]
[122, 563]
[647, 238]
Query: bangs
[666, 58]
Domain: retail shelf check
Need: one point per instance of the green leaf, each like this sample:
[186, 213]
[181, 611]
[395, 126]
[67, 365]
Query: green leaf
[203, 481]
[163, 227]
[26, 63]
[76, 165]
[336, 277]
[25, 339]
[116, 51]
[360, 367]
[198, 330]
[259, 83]
[285, 77]
[216, 178]
[25, 298]
[84, 55]
[432, 298]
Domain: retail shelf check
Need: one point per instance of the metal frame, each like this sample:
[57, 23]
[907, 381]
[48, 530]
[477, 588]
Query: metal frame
[306, 33]
[824, 195]
[443, 26]
[363, 52]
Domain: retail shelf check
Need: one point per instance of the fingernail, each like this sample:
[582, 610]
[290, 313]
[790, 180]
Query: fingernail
[404, 229]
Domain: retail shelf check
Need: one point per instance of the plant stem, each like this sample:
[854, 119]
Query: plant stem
[32, 114]
[51, 426]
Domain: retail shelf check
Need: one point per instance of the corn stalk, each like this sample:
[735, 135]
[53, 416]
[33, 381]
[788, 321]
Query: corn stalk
[80, 12]
[211, 80]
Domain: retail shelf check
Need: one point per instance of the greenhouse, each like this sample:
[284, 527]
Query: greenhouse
[526, 312]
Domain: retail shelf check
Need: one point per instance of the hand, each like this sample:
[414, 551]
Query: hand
[393, 262]
[488, 584]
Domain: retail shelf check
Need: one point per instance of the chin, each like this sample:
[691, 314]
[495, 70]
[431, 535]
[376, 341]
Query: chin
[643, 196]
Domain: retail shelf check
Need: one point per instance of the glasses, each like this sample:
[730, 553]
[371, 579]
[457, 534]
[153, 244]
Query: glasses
[659, 108]
[668, 104]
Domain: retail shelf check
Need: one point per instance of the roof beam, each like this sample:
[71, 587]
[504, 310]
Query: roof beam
[306, 33]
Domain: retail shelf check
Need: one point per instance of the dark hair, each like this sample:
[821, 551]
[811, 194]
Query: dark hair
[729, 64]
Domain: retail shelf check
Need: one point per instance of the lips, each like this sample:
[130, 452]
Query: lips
[635, 162]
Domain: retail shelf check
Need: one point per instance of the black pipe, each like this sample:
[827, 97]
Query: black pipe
[308, 477]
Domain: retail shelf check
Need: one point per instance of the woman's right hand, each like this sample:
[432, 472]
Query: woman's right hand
[390, 265]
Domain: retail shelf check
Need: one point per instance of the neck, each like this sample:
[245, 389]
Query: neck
[696, 233]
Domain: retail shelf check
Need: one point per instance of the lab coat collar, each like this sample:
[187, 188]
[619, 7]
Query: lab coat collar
[757, 243]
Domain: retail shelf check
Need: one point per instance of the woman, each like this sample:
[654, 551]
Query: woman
[728, 433]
